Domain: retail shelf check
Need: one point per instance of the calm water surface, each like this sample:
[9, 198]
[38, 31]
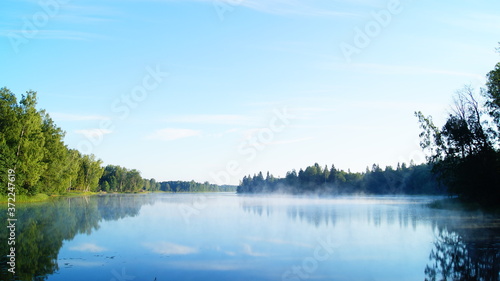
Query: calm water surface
[226, 236]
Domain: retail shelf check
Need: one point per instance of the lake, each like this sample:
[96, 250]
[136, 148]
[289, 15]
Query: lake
[225, 236]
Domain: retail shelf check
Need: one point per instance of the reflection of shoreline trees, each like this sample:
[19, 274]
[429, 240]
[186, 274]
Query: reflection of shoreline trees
[455, 258]
[318, 214]
[467, 246]
[315, 217]
[312, 216]
[42, 228]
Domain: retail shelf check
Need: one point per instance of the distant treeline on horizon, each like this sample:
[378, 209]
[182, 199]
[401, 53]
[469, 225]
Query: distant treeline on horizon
[120, 179]
[415, 179]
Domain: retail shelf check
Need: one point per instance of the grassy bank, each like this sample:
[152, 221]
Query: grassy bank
[43, 197]
[25, 198]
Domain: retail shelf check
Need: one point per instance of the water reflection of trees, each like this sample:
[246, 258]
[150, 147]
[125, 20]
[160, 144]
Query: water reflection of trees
[42, 228]
[257, 209]
[315, 216]
[467, 245]
[330, 214]
[472, 255]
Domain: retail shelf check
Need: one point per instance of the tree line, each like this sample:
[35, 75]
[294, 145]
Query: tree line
[465, 150]
[192, 186]
[32, 145]
[120, 179]
[413, 179]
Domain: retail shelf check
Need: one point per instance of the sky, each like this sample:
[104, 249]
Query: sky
[213, 90]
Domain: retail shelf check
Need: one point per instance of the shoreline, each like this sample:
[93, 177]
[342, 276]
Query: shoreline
[458, 204]
[42, 197]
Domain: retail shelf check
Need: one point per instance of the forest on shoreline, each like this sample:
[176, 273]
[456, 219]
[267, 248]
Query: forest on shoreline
[463, 158]
[32, 148]
[412, 180]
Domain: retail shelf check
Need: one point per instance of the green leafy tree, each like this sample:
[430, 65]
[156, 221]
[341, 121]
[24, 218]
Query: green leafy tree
[9, 133]
[146, 185]
[463, 151]
[30, 150]
[59, 172]
[134, 181]
[492, 93]
[74, 159]
[90, 173]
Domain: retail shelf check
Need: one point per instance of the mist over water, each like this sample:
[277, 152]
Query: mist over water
[224, 236]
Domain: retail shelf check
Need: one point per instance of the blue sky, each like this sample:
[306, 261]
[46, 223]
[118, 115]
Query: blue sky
[215, 90]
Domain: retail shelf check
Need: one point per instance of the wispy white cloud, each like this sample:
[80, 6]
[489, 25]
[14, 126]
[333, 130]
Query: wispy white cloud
[481, 22]
[402, 70]
[211, 265]
[291, 141]
[93, 133]
[279, 242]
[283, 7]
[68, 16]
[231, 119]
[230, 253]
[247, 250]
[224, 133]
[254, 134]
[77, 117]
[67, 35]
[170, 134]
[166, 248]
[251, 133]
[88, 247]
[293, 7]
[309, 113]
[88, 14]
[392, 106]
[54, 34]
